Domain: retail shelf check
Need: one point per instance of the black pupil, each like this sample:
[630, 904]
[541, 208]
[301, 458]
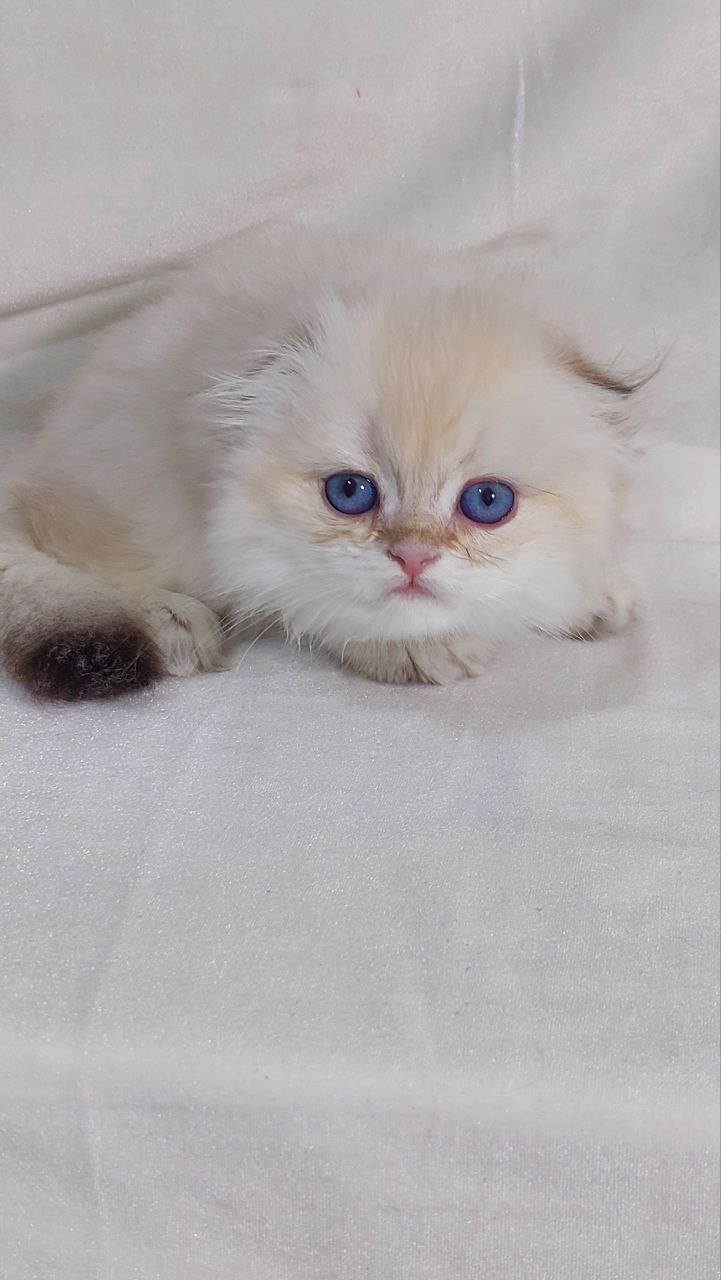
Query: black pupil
[488, 496]
[350, 487]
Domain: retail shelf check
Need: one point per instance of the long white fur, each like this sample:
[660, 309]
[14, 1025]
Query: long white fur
[179, 478]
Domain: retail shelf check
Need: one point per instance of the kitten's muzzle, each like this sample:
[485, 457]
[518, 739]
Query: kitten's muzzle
[414, 558]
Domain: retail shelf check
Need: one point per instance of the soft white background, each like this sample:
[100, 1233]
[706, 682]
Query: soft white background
[304, 978]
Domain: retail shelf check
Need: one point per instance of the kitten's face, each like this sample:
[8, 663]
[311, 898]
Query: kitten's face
[489, 476]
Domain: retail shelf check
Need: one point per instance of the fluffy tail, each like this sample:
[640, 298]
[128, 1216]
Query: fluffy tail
[65, 633]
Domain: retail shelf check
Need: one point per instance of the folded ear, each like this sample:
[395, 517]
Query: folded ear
[619, 383]
[231, 397]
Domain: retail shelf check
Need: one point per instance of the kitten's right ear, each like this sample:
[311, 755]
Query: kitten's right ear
[304, 335]
[232, 397]
[299, 339]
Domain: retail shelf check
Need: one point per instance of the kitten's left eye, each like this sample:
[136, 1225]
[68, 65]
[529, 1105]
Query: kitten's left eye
[487, 501]
[350, 493]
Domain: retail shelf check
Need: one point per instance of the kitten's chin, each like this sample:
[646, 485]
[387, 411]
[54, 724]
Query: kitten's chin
[412, 618]
[412, 591]
[396, 619]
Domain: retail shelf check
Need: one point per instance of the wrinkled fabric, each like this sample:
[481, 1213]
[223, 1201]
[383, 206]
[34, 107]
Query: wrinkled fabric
[303, 978]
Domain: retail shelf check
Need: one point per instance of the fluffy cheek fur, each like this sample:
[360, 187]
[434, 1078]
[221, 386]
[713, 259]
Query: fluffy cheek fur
[329, 578]
[423, 400]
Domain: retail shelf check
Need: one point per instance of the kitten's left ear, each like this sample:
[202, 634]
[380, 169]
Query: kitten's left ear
[618, 383]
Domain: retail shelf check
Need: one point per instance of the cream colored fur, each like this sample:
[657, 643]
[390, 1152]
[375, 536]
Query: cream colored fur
[178, 481]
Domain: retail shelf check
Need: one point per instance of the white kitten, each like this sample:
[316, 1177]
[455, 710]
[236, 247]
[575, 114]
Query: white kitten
[390, 452]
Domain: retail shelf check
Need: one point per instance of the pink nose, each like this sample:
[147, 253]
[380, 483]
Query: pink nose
[413, 557]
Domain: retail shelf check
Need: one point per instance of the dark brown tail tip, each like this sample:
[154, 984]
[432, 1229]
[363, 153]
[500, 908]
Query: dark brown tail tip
[77, 666]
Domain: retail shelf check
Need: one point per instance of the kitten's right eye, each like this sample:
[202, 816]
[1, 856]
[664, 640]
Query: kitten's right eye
[350, 493]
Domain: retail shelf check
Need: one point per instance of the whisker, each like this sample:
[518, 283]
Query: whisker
[245, 653]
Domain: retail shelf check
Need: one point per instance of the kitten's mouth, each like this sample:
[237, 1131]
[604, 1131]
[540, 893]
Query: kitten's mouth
[410, 590]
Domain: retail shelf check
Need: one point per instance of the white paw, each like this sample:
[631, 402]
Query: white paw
[619, 604]
[612, 613]
[429, 662]
[188, 634]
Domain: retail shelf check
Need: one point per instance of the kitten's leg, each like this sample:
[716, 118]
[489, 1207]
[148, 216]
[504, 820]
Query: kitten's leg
[65, 633]
[187, 635]
[609, 614]
[69, 634]
[441, 661]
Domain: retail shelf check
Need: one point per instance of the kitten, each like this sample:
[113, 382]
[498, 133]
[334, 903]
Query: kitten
[389, 452]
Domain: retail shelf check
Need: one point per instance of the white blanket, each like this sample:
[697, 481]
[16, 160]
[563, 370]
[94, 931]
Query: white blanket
[303, 978]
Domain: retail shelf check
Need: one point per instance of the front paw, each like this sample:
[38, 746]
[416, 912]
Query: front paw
[611, 613]
[187, 634]
[419, 662]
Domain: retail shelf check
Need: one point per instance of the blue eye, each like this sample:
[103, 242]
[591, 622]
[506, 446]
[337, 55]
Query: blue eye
[350, 493]
[487, 501]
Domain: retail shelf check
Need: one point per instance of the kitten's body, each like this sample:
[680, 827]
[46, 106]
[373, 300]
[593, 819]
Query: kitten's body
[179, 480]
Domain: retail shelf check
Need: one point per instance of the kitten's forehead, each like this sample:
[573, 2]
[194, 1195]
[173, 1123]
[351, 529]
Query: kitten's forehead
[423, 391]
[434, 373]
